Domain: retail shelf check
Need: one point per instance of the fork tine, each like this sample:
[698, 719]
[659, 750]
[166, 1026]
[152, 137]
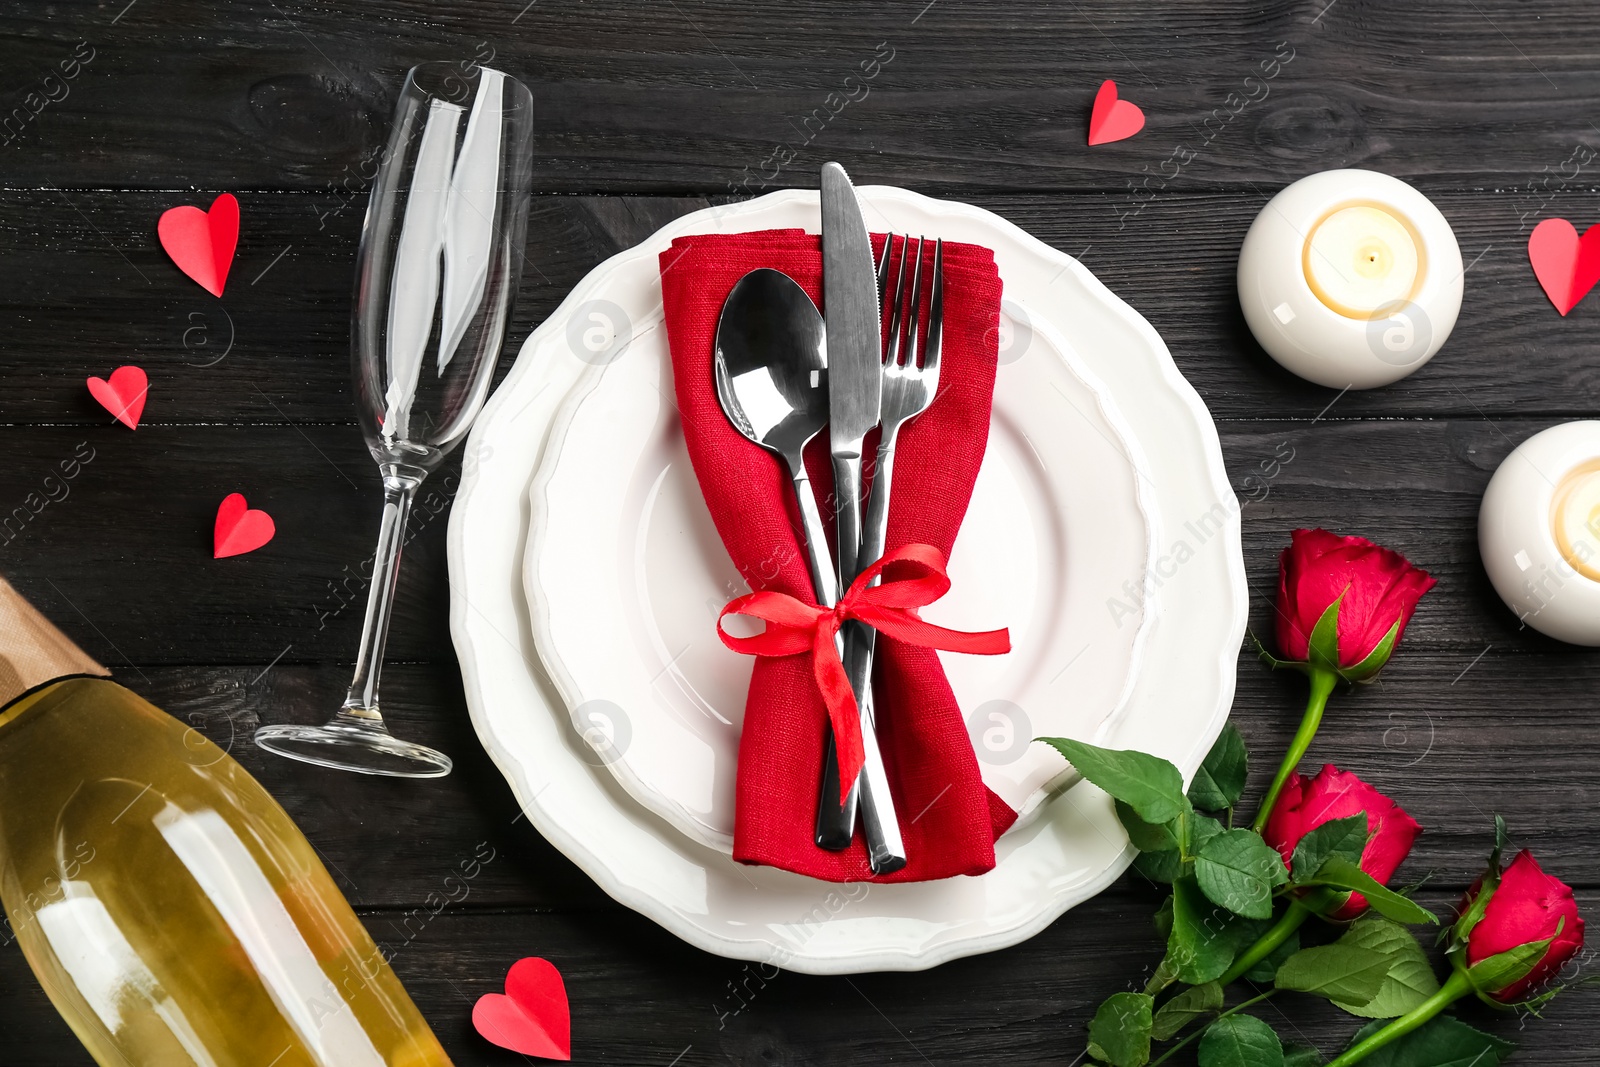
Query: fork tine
[914, 310]
[883, 267]
[897, 319]
[930, 351]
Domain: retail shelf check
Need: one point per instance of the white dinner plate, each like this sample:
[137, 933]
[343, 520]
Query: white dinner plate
[625, 577]
[1072, 850]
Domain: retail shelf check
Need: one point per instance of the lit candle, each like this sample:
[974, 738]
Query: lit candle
[1575, 518]
[1350, 278]
[1539, 532]
[1361, 260]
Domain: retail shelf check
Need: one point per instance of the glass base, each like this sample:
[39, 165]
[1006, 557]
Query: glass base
[348, 744]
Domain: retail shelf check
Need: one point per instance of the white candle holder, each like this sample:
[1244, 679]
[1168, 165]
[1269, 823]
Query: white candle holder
[1353, 348]
[1518, 532]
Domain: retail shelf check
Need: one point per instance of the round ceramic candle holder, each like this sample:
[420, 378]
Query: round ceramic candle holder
[1350, 279]
[1539, 532]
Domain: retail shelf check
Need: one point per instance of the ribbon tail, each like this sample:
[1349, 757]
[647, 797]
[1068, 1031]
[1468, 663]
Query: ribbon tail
[904, 626]
[843, 712]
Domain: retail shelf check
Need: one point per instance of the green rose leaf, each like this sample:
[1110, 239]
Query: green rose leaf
[1474, 913]
[1202, 828]
[1185, 1008]
[1151, 786]
[1409, 979]
[1219, 782]
[1164, 975]
[1164, 867]
[1343, 973]
[1119, 1033]
[1445, 1041]
[1202, 944]
[1322, 649]
[1302, 1056]
[1168, 864]
[1340, 837]
[1375, 660]
[1148, 836]
[1239, 871]
[1502, 837]
[1264, 972]
[1163, 917]
[1340, 873]
[1509, 967]
[1240, 1041]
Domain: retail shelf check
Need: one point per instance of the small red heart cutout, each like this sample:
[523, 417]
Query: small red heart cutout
[123, 395]
[1113, 119]
[201, 243]
[240, 529]
[1566, 265]
[532, 1016]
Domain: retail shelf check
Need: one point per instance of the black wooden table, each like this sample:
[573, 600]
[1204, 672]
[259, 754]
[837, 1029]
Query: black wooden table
[653, 110]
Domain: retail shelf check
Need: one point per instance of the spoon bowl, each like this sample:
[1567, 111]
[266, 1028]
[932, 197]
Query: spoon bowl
[771, 363]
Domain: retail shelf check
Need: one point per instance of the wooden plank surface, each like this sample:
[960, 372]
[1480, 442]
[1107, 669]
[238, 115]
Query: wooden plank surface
[649, 111]
[699, 94]
[276, 349]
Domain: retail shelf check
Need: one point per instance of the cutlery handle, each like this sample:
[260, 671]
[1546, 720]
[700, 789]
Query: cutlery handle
[880, 824]
[885, 847]
[847, 509]
[860, 641]
[824, 582]
[875, 530]
[836, 822]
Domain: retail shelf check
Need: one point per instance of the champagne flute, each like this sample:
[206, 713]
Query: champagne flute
[441, 252]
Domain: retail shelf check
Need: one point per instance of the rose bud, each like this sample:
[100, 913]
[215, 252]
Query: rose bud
[1527, 906]
[1380, 590]
[1375, 591]
[1307, 803]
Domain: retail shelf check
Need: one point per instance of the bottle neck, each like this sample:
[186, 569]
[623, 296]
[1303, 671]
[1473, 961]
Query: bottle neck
[32, 651]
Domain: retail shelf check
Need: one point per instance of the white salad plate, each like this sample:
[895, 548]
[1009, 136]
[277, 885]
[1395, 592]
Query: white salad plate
[625, 577]
[1192, 598]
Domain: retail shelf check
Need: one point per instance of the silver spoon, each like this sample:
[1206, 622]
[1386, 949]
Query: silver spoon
[771, 370]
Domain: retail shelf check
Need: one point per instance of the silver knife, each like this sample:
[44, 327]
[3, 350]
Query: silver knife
[855, 391]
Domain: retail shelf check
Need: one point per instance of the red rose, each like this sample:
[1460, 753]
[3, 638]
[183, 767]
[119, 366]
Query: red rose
[1380, 588]
[1527, 906]
[1307, 803]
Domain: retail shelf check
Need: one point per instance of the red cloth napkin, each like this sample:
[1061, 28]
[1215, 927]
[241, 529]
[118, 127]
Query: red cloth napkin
[948, 817]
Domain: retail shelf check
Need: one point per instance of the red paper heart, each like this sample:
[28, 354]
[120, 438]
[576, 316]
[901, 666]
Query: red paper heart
[1113, 119]
[532, 1016]
[123, 395]
[240, 529]
[1566, 265]
[201, 243]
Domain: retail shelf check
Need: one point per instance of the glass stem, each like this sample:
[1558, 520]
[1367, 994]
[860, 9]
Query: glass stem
[399, 488]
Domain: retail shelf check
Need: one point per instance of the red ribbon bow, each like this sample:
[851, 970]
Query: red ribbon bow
[793, 627]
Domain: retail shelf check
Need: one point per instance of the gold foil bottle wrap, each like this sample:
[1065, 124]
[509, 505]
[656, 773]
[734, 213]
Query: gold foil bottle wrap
[32, 651]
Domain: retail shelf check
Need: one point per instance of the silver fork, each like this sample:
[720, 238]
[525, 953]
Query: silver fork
[909, 387]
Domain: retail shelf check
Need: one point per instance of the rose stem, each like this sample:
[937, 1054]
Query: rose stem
[1236, 1008]
[1454, 988]
[1291, 920]
[1322, 683]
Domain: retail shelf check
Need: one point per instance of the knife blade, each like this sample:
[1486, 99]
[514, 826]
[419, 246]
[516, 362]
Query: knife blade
[855, 394]
[855, 339]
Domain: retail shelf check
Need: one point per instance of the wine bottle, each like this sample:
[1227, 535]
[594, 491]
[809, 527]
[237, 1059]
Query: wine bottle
[173, 912]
